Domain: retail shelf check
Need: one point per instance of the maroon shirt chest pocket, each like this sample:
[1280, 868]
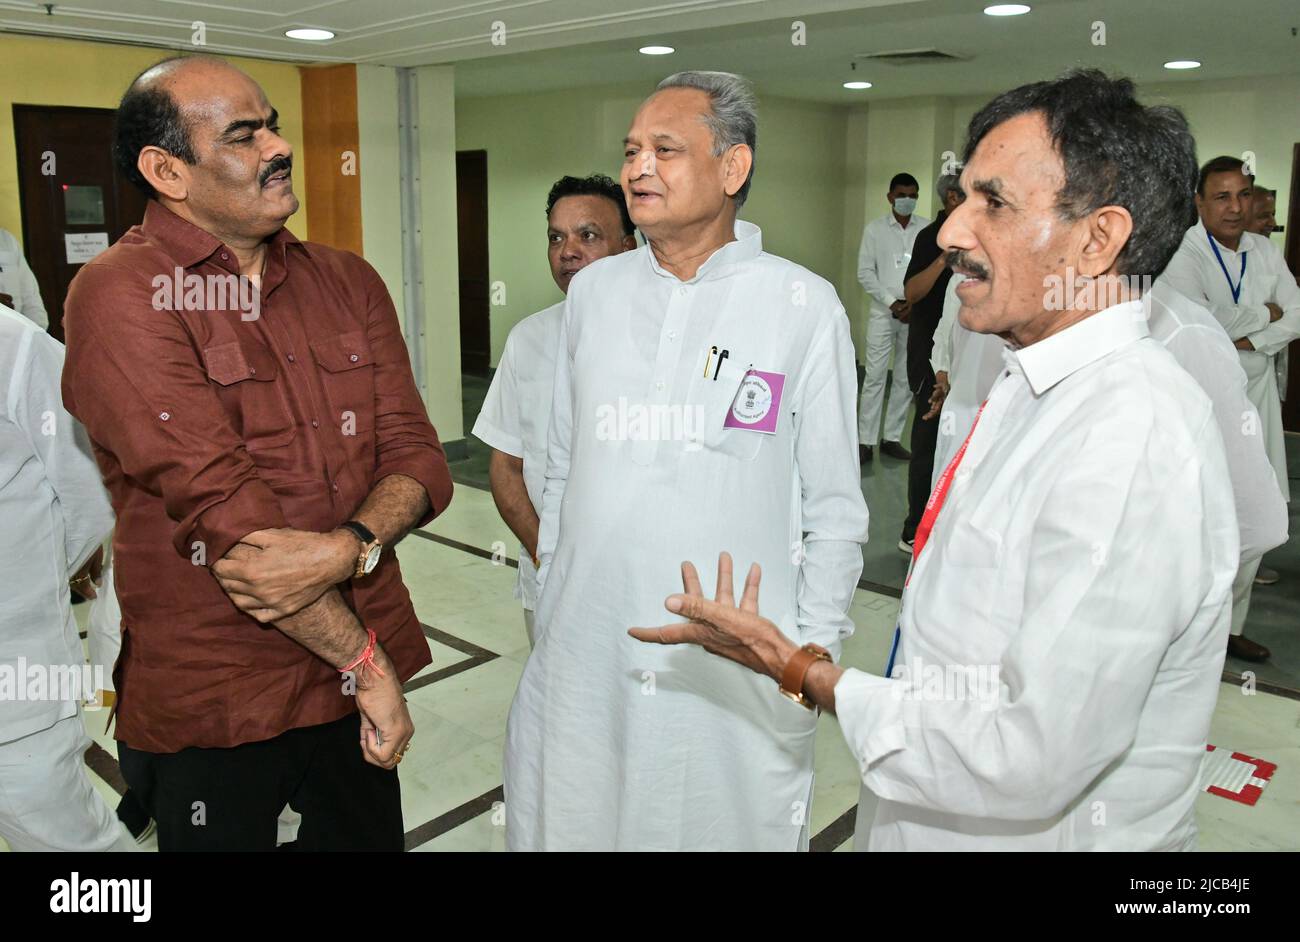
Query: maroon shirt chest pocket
[246, 373]
[348, 375]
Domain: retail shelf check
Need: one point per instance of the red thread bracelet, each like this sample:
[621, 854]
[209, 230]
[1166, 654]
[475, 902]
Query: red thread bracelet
[367, 656]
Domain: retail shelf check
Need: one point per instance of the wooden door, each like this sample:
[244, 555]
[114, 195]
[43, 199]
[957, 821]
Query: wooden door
[68, 186]
[472, 238]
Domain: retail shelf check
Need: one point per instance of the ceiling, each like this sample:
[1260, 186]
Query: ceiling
[562, 44]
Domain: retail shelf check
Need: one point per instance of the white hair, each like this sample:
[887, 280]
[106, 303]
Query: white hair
[734, 117]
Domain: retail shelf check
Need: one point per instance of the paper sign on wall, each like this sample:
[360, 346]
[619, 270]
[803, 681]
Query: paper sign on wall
[83, 246]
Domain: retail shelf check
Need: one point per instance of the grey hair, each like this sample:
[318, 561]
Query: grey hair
[734, 117]
[946, 184]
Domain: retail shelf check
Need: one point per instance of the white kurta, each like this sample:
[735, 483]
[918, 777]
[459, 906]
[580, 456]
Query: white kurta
[973, 363]
[55, 512]
[19, 281]
[612, 743]
[1195, 272]
[516, 414]
[1086, 551]
[883, 255]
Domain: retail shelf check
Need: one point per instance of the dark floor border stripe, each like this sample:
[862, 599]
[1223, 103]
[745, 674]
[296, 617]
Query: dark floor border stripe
[1264, 686]
[476, 657]
[835, 833]
[880, 588]
[463, 547]
[454, 818]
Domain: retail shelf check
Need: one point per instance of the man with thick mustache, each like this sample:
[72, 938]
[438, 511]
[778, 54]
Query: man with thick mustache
[1070, 582]
[262, 461]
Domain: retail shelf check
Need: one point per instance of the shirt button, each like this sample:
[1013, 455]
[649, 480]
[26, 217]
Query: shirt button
[165, 416]
[672, 335]
[315, 424]
[353, 358]
[336, 485]
[681, 290]
[291, 359]
[225, 257]
[252, 371]
[659, 384]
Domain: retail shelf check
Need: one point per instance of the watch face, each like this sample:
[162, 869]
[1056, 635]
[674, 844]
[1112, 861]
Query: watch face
[372, 558]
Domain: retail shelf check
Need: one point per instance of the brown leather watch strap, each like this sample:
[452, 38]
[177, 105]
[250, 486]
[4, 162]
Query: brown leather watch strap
[796, 669]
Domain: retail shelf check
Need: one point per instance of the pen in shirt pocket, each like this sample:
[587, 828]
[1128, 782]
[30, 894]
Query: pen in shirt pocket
[721, 356]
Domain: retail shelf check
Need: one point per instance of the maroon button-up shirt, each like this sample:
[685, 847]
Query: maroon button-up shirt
[216, 410]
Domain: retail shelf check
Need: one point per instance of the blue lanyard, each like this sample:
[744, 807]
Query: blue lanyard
[1241, 279]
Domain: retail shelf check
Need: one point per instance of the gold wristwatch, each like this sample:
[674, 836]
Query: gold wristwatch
[371, 549]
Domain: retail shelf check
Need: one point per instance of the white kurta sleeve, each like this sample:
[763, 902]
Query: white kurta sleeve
[1286, 295]
[1186, 273]
[62, 447]
[498, 422]
[941, 347]
[1102, 604]
[832, 509]
[29, 302]
[559, 444]
[868, 270]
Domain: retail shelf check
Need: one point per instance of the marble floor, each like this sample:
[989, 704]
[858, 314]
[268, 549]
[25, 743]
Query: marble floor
[451, 783]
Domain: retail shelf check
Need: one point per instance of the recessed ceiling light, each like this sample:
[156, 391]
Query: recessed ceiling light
[656, 50]
[1183, 64]
[1007, 9]
[857, 84]
[316, 35]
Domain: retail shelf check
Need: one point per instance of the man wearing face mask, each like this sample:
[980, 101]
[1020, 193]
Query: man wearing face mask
[882, 262]
[250, 401]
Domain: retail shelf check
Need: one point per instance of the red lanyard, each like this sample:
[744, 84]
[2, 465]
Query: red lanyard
[939, 495]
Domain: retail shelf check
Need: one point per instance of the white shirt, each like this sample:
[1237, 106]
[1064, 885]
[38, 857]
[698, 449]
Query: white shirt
[1194, 271]
[973, 363]
[883, 256]
[19, 281]
[1087, 551]
[55, 513]
[612, 743]
[1200, 346]
[517, 411]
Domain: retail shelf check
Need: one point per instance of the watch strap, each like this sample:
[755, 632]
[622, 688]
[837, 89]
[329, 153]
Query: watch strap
[796, 669]
[360, 531]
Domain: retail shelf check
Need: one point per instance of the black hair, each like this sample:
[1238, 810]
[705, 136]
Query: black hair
[595, 185]
[903, 179]
[149, 116]
[1115, 152]
[1221, 165]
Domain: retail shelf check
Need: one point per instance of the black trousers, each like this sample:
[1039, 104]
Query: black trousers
[230, 799]
[925, 435]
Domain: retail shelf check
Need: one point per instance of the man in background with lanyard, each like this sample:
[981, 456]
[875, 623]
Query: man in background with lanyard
[1244, 282]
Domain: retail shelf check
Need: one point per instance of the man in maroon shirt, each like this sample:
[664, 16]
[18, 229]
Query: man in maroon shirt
[253, 413]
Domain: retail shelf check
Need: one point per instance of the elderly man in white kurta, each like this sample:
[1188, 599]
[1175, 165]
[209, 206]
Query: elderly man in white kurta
[1064, 620]
[703, 398]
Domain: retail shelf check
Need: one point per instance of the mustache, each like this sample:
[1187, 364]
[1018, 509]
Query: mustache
[274, 167]
[960, 259]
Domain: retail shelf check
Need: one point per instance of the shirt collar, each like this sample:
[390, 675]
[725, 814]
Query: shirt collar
[1052, 359]
[1204, 235]
[190, 245]
[748, 246]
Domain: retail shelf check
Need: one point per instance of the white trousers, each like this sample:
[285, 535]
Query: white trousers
[1241, 587]
[885, 334]
[47, 802]
[530, 621]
